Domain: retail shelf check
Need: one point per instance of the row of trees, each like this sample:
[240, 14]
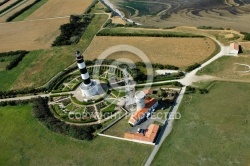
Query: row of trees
[10, 6]
[108, 33]
[72, 32]
[13, 103]
[210, 27]
[12, 17]
[42, 112]
[11, 53]
[3, 2]
[14, 93]
[16, 60]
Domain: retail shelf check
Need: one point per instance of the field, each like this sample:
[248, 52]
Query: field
[180, 52]
[44, 67]
[226, 68]
[29, 35]
[60, 8]
[162, 13]
[25, 141]
[210, 134]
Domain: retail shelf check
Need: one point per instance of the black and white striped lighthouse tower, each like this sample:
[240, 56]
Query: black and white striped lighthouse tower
[88, 86]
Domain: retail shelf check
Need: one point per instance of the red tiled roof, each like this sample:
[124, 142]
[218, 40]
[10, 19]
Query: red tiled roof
[234, 46]
[148, 137]
[138, 114]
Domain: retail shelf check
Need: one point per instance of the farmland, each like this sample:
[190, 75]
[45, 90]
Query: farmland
[26, 141]
[208, 134]
[180, 52]
[60, 8]
[30, 35]
[44, 68]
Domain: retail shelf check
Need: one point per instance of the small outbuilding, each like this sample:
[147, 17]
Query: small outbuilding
[234, 49]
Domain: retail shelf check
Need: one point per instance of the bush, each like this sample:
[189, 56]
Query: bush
[192, 67]
[72, 32]
[247, 37]
[42, 112]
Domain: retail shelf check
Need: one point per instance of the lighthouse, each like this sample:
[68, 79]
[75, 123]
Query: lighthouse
[88, 87]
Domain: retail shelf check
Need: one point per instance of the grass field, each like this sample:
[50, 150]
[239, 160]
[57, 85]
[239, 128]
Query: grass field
[213, 130]
[8, 77]
[180, 52]
[60, 8]
[28, 12]
[226, 68]
[52, 61]
[30, 35]
[25, 141]
[119, 128]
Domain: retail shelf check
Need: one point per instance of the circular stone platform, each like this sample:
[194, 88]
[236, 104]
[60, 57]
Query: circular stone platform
[101, 90]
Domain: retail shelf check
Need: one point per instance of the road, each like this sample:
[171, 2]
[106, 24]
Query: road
[186, 81]
[167, 128]
[34, 96]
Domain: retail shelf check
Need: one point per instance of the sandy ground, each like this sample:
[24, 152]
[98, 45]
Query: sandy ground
[181, 52]
[118, 20]
[245, 45]
[29, 35]
[4, 17]
[59, 8]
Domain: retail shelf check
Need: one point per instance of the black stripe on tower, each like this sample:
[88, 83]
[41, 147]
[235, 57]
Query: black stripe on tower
[79, 59]
[83, 71]
[87, 81]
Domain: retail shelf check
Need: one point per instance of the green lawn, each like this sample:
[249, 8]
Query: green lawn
[119, 128]
[225, 68]
[213, 130]
[50, 62]
[25, 141]
[31, 10]
[8, 77]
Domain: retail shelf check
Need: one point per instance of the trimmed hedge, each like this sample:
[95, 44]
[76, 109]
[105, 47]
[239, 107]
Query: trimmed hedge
[21, 11]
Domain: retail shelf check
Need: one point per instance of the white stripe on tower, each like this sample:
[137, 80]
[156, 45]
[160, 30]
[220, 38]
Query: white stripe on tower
[81, 65]
[85, 76]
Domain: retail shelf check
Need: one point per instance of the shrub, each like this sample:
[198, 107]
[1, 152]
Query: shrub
[192, 67]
